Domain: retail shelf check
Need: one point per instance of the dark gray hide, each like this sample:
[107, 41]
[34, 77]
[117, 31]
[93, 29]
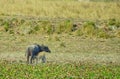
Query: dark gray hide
[33, 50]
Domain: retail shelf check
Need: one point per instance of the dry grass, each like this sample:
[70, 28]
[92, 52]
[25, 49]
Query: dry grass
[75, 49]
[57, 9]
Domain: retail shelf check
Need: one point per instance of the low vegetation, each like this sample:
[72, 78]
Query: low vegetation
[92, 29]
[53, 71]
[72, 57]
[83, 36]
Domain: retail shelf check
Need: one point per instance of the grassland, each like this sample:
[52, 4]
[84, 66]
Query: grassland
[61, 71]
[84, 38]
[72, 57]
[61, 9]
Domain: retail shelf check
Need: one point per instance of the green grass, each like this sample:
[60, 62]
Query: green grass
[59, 71]
[91, 29]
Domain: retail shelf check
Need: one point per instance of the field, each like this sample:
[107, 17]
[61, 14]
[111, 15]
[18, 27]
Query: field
[61, 9]
[84, 38]
[71, 57]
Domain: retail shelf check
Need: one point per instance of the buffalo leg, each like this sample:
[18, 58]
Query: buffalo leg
[43, 59]
[31, 58]
[36, 59]
[27, 59]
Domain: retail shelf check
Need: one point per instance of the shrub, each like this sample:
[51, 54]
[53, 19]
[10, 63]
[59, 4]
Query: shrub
[64, 27]
[113, 24]
[79, 32]
[31, 31]
[89, 28]
[100, 33]
[50, 29]
[46, 27]
[36, 28]
[14, 21]
[68, 26]
[11, 31]
[6, 26]
[22, 21]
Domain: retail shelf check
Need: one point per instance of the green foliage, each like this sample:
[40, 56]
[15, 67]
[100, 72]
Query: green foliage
[46, 27]
[113, 24]
[64, 27]
[68, 26]
[100, 33]
[6, 27]
[11, 31]
[11, 23]
[86, 28]
[42, 27]
[89, 28]
[34, 30]
[59, 71]
[79, 32]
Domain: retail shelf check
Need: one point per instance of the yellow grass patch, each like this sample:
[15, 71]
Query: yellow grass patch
[66, 9]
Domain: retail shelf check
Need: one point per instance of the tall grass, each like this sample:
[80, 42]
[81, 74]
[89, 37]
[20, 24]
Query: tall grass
[91, 29]
[63, 9]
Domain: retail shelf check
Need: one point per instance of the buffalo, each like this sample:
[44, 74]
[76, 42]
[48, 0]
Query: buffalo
[33, 52]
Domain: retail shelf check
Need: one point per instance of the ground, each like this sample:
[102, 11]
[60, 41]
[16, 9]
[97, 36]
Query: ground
[92, 52]
[67, 49]
[71, 57]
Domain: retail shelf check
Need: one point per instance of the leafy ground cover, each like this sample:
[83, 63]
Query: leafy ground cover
[59, 71]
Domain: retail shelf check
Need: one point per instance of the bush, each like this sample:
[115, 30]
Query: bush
[11, 31]
[64, 27]
[46, 27]
[43, 27]
[89, 28]
[79, 32]
[113, 24]
[100, 33]
[6, 26]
